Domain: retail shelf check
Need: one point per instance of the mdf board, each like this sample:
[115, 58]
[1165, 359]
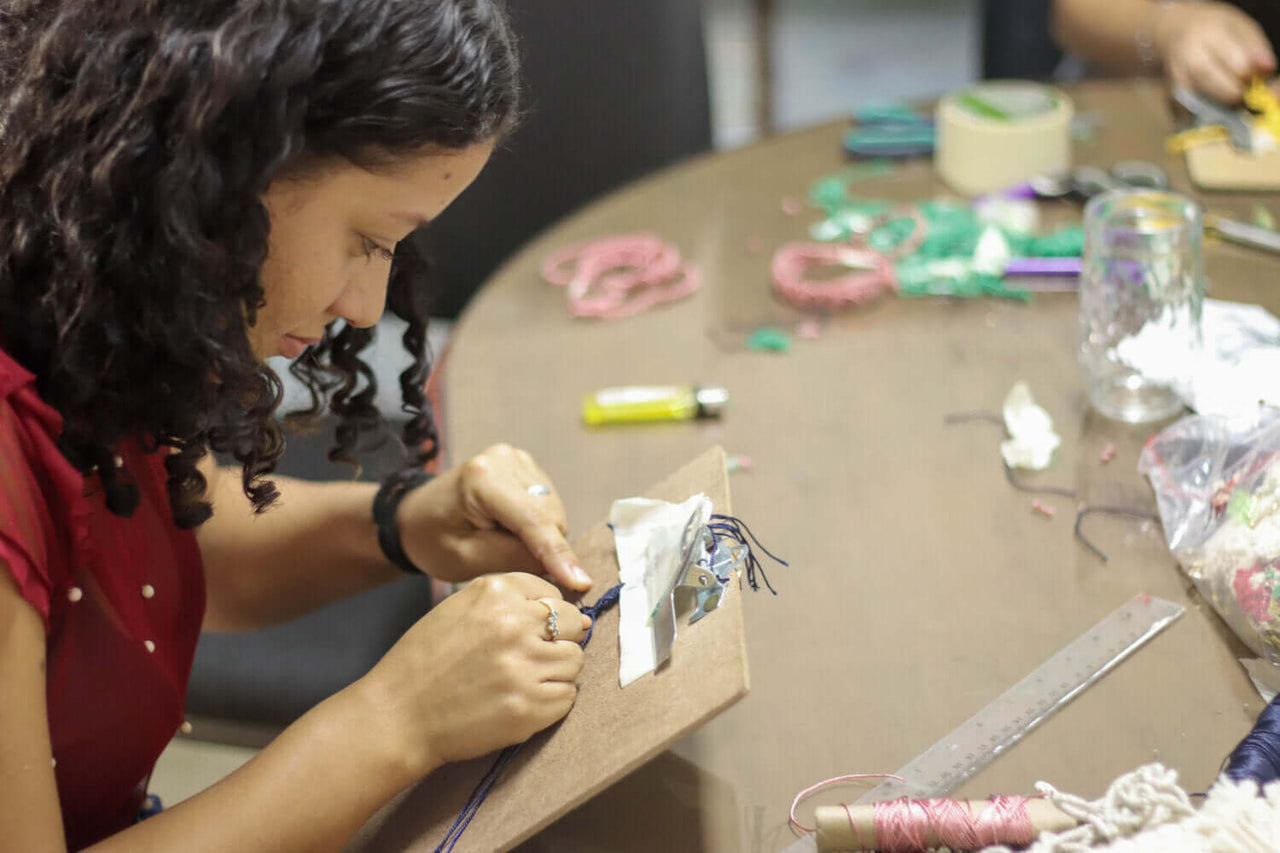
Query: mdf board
[1218, 166]
[610, 731]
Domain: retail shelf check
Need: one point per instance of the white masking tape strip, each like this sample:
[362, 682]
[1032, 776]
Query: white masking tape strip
[997, 135]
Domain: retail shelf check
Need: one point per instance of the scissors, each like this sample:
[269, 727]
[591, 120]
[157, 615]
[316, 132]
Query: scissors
[1208, 114]
[1084, 182]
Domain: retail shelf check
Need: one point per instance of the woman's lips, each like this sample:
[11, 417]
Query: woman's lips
[292, 346]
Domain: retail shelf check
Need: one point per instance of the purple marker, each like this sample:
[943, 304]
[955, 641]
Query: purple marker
[1043, 266]
[1017, 191]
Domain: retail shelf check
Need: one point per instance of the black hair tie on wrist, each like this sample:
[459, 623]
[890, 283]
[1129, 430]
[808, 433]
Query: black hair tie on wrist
[393, 489]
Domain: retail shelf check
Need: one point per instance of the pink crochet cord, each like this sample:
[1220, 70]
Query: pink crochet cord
[620, 275]
[872, 275]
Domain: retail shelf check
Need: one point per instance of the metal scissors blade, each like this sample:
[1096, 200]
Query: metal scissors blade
[1243, 233]
[1207, 112]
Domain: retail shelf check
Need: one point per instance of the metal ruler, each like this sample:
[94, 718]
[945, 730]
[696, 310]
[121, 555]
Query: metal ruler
[941, 768]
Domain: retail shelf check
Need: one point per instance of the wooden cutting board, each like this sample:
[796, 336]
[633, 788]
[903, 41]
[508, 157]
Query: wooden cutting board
[1218, 166]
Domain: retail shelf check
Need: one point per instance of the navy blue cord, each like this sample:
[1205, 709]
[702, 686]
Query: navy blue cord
[606, 602]
[478, 796]
[1257, 757]
[504, 759]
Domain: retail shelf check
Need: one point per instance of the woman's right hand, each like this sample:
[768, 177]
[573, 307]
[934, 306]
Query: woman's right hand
[478, 671]
[1211, 48]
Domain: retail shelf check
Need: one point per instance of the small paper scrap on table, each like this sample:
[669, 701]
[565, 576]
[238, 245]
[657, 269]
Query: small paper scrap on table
[1031, 441]
[647, 535]
[1238, 368]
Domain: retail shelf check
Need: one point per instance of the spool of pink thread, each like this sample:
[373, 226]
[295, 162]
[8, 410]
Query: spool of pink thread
[914, 826]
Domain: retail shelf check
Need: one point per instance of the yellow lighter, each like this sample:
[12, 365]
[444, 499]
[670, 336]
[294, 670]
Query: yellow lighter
[634, 403]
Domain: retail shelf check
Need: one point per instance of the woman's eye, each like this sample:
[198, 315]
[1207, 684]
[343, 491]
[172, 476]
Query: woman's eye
[372, 249]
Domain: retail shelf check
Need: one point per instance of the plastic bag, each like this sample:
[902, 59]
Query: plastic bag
[1217, 484]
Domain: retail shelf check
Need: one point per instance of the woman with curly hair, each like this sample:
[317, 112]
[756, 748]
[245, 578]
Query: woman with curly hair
[187, 188]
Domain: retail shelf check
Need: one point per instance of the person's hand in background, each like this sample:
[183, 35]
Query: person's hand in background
[1211, 48]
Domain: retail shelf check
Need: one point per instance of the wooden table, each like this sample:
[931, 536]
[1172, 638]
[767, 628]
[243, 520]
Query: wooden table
[921, 584]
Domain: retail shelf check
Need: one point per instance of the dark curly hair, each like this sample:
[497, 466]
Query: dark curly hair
[136, 140]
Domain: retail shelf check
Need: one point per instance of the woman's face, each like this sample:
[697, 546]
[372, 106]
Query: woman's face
[332, 235]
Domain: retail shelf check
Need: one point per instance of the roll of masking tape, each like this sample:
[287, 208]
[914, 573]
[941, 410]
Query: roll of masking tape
[997, 135]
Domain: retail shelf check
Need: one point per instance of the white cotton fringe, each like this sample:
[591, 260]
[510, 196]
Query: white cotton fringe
[1147, 812]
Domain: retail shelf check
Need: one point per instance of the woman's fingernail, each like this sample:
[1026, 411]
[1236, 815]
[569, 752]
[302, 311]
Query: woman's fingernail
[580, 576]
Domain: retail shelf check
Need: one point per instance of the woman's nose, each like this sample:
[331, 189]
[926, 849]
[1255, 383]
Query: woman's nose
[362, 301]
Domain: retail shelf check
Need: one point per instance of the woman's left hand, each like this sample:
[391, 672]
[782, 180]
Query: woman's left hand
[498, 512]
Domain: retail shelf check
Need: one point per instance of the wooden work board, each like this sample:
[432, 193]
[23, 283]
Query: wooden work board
[1218, 166]
[610, 731]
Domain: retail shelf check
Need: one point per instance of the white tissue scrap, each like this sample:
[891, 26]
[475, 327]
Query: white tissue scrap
[992, 253]
[1031, 441]
[1238, 368]
[1017, 215]
[647, 535]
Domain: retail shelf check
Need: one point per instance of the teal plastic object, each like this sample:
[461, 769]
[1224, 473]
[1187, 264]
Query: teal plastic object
[916, 277]
[1066, 242]
[769, 339]
[890, 140]
[954, 231]
[872, 113]
[889, 130]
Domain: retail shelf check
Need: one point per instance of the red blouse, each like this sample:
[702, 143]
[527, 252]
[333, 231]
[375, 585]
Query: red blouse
[122, 601]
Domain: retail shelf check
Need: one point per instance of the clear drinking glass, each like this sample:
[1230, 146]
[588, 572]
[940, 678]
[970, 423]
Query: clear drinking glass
[1141, 297]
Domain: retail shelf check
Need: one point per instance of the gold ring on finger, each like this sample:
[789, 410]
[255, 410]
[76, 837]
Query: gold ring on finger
[553, 620]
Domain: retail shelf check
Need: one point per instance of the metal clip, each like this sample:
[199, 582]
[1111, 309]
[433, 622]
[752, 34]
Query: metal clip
[707, 565]
[709, 580]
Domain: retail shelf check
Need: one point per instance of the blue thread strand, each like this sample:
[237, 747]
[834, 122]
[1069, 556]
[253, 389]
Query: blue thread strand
[1257, 757]
[483, 787]
[732, 528]
[729, 519]
[504, 759]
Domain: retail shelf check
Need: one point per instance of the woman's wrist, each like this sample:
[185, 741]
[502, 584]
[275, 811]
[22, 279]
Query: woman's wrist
[386, 503]
[373, 709]
[1152, 38]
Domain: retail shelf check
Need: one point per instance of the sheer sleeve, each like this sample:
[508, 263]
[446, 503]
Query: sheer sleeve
[25, 529]
[41, 494]
[122, 600]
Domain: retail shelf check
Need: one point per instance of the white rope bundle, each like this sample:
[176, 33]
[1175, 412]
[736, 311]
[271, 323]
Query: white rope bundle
[1147, 812]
